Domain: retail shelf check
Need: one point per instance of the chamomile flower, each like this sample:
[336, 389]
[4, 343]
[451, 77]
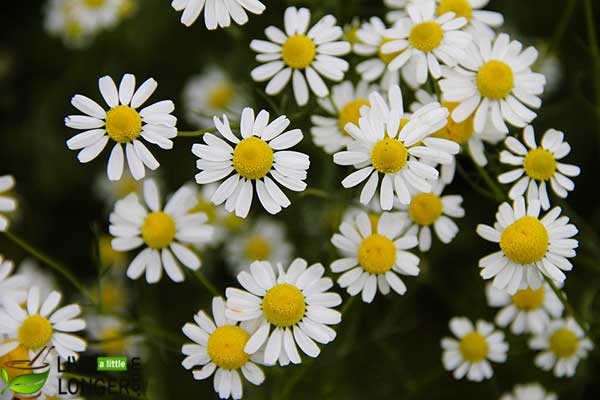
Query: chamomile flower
[7, 202]
[12, 285]
[530, 246]
[292, 308]
[476, 346]
[344, 106]
[164, 233]
[538, 166]
[35, 327]
[220, 345]
[398, 8]
[217, 13]
[426, 40]
[123, 124]
[529, 391]
[563, 345]
[35, 275]
[112, 336]
[301, 54]
[387, 142]
[62, 22]
[373, 258]
[527, 311]
[264, 241]
[495, 82]
[97, 14]
[261, 154]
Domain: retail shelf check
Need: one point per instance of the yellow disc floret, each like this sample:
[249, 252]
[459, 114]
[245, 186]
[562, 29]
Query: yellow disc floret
[221, 96]
[257, 248]
[459, 132]
[377, 254]
[386, 57]
[426, 36]
[374, 219]
[123, 124]
[525, 241]
[495, 80]
[298, 51]
[284, 305]
[226, 347]
[462, 8]
[564, 343]
[540, 164]
[35, 332]
[206, 207]
[158, 230]
[389, 156]
[425, 208]
[473, 347]
[528, 299]
[350, 113]
[252, 158]
[94, 3]
[112, 341]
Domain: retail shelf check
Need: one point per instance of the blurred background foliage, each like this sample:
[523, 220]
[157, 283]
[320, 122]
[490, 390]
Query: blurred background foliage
[389, 349]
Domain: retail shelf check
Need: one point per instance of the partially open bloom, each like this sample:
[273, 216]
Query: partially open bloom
[530, 246]
[291, 308]
[562, 346]
[301, 54]
[7, 202]
[538, 166]
[219, 345]
[476, 346]
[123, 124]
[217, 13]
[529, 391]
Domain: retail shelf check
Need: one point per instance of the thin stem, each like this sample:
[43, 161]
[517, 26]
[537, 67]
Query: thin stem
[102, 383]
[470, 182]
[205, 282]
[491, 183]
[595, 51]
[315, 192]
[561, 27]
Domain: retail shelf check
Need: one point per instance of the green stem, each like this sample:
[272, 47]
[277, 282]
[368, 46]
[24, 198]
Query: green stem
[205, 282]
[561, 27]
[595, 51]
[491, 183]
[315, 192]
[99, 382]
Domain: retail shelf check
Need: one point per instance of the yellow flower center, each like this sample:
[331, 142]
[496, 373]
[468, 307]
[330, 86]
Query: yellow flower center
[351, 113]
[540, 164]
[73, 29]
[123, 124]
[298, 51]
[35, 332]
[113, 342]
[495, 80]
[389, 57]
[459, 132]
[252, 158]
[564, 343]
[233, 222]
[158, 230]
[257, 248]
[284, 305]
[389, 156]
[125, 186]
[374, 218]
[426, 36]
[525, 241]
[425, 208]
[473, 347]
[528, 299]
[94, 3]
[377, 254]
[462, 8]
[226, 347]
[206, 207]
[19, 353]
[221, 96]
[350, 34]
[108, 256]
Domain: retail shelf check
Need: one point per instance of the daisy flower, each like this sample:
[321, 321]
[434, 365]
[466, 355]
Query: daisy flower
[398, 8]
[7, 203]
[123, 124]
[387, 142]
[563, 345]
[530, 246]
[219, 344]
[112, 336]
[60, 21]
[35, 275]
[257, 158]
[530, 391]
[428, 210]
[538, 165]
[218, 13]
[495, 82]
[97, 14]
[35, 327]
[291, 308]
[527, 311]
[12, 285]
[110, 191]
[164, 233]
[426, 40]
[374, 258]
[476, 346]
[301, 54]
[264, 241]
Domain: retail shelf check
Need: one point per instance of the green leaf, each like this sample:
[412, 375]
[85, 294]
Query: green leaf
[4, 375]
[28, 384]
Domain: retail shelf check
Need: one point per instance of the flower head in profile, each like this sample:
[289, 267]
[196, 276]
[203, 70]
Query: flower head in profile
[8, 204]
[217, 13]
[529, 391]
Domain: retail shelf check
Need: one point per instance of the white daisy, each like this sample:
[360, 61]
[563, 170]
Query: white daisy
[496, 83]
[387, 142]
[60, 21]
[537, 166]
[425, 40]
[255, 158]
[374, 258]
[219, 344]
[343, 107]
[301, 54]
[112, 336]
[291, 308]
[530, 391]
[476, 346]
[398, 8]
[529, 246]
[35, 275]
[7, 202]
[123, 124]
[12, 285]
[97, 14]
[527, 311]
[35, 327]
[563, 345]
[217, 13]
[162, 232]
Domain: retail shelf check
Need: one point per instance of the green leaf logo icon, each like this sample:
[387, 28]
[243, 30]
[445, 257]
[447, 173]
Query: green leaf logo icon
[4, 375]
[25, 384]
